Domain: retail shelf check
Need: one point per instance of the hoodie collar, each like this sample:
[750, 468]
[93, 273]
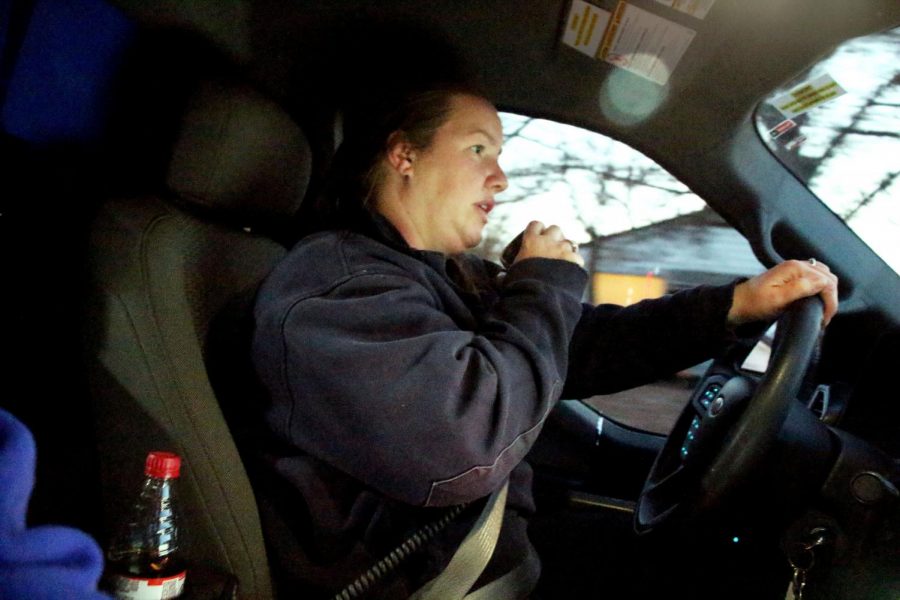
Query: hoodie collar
[380, 228]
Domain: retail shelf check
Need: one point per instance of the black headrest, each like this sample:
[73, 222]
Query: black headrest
[240, 155]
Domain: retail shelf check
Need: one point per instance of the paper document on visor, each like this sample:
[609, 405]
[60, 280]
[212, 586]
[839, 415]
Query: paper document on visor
[644, 44]
[695, 8]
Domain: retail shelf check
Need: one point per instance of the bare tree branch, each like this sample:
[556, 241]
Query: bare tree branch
[883, 185]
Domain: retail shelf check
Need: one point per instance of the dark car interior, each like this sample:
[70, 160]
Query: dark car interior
[158, 159]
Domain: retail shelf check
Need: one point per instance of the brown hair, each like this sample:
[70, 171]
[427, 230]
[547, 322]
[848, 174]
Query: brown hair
[357, 170]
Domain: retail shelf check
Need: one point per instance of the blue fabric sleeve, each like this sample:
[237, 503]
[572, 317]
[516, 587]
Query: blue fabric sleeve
[38, 563]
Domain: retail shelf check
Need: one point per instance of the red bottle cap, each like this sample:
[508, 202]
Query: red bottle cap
[162, 465]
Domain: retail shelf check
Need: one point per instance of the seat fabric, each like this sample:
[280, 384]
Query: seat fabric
[168, 272]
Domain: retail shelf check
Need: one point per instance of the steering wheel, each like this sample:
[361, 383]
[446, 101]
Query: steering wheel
[724, 432]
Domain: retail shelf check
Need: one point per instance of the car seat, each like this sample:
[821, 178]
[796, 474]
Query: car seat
[173, 277]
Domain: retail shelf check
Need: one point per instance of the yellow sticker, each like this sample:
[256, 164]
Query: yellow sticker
[585, 27]
[807, 95]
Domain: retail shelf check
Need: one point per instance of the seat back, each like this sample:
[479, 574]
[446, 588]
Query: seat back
[167, 272]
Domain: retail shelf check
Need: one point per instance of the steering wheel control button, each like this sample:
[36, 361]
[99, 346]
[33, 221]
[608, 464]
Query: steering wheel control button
[709, 394]
[716, 407]
[692, 433]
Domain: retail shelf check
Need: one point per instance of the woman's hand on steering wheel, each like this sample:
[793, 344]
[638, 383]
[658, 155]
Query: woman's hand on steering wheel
[766, 296]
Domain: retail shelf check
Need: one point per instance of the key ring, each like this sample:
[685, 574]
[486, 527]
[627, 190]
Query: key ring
[797, 565]
[817, 537]
[803, 558]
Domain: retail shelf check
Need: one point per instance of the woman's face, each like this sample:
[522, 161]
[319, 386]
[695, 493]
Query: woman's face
[452, 183]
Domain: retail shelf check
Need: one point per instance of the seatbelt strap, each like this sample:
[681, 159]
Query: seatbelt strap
[514, 585]
[471, 557]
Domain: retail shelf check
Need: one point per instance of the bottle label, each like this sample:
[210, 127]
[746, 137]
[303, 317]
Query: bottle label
[142, 588]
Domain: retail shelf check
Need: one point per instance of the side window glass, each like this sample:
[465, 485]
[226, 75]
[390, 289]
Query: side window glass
[641, 231]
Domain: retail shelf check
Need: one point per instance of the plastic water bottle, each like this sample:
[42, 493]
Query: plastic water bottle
[143, 561]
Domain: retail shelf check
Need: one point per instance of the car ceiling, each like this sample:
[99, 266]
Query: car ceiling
[741, 52]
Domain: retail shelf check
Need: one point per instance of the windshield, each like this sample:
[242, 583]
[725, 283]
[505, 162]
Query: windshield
[590, 185]
[641, 232]
[837, 128]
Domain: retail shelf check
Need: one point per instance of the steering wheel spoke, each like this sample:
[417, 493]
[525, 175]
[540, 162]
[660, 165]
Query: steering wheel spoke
[662, 497]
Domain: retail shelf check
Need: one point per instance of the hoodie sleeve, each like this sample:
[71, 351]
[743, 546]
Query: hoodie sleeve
[616, 348]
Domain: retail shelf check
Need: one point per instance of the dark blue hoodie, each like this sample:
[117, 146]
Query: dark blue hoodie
[402, 384]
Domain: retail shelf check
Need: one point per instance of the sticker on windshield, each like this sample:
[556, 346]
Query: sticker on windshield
[695, 8]
[795, 142]
[585, 27]
[643, 43]
[807, 95]
[782, 128]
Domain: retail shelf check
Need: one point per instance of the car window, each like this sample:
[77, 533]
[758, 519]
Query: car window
[641, 232]
[837, 128]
